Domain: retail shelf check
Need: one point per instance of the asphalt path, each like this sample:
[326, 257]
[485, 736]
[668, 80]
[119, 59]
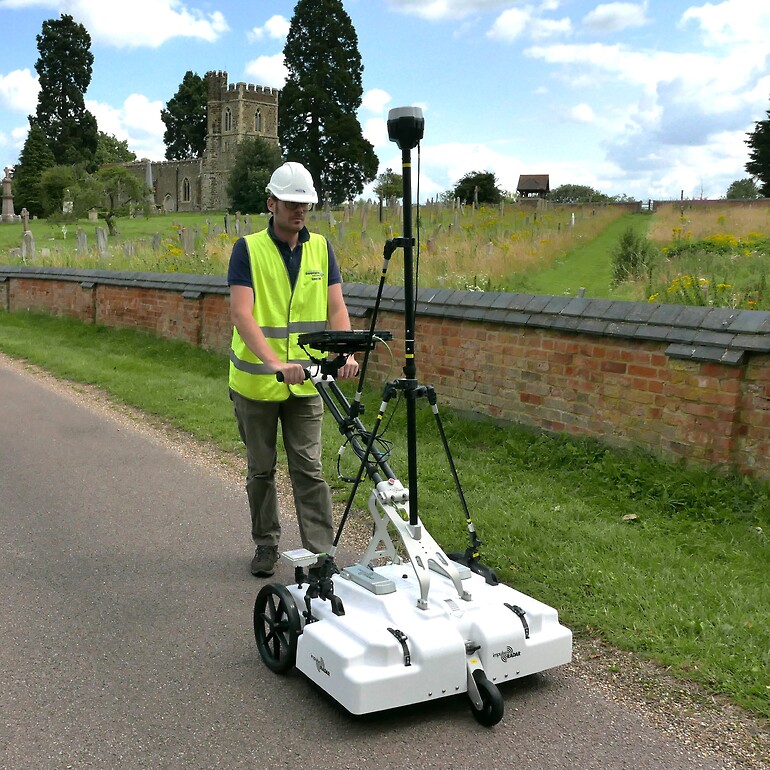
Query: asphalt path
[126, 633]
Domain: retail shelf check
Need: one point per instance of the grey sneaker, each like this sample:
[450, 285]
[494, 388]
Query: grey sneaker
[263, 563]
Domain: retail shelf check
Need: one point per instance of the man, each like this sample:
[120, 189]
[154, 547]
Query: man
[283, 281]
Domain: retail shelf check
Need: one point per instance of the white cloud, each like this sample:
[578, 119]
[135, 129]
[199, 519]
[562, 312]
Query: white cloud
[137, 121]
[582, 113]
[446, 9]
[614, 17]
[518, 22]
[375, 100]
[376, 131]
[275, 28]
[510, 25]
[19, 90]
[268, 70]
[731, 22]
[138, 24]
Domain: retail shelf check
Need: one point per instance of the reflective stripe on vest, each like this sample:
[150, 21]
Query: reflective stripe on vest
[282, 314]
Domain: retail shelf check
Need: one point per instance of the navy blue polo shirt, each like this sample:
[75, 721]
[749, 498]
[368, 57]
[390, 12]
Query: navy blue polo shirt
[239, 269]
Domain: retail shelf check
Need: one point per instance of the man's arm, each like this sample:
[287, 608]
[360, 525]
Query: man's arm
[241, 314]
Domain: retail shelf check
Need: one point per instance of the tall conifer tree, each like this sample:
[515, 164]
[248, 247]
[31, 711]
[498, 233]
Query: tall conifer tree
[64, 69]
[36, 157]
[317, 123]
[185, 119]
[759, 155]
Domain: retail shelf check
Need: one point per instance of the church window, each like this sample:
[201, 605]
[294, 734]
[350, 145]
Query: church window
[258, 121]
[186, 190]
[228, 119]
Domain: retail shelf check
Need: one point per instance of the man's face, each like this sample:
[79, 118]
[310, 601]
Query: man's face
[288, 216]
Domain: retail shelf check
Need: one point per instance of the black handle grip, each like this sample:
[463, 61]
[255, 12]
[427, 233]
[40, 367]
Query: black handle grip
[279, 375]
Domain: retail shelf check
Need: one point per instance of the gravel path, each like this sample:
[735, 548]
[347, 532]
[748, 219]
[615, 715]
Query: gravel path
[706, 725]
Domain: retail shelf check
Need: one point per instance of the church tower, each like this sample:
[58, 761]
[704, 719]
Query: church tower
[235, 112]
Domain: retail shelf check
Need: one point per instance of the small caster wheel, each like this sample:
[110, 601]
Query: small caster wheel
[491, 711]
[276, 627]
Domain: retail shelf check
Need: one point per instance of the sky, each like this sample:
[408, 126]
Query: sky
[648, 98]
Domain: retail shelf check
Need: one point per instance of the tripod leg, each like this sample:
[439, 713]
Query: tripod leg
[471, 557]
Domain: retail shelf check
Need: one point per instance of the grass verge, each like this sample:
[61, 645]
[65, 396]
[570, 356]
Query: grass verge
[667, 562]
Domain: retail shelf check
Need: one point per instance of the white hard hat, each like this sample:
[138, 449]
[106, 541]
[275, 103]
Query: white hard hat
[292, 182]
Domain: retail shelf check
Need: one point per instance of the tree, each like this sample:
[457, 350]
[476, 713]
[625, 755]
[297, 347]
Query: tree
[254, 163]
[478, 187]
[35, 158]
[185, 119]
[742, 189]
[64, 70]
[577, 193]
[317, 121]
[54, 184]
[111, 190]
[758, 164]
[110, 149]
[389, 185]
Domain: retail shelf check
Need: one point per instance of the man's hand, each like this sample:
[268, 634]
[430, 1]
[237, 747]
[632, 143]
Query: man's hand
[293, 374]
[348, 370]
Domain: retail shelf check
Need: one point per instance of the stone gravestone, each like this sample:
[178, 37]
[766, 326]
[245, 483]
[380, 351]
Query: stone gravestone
[247, 225]
[101, 242]
[237, 222]
[8, 215]
[188, 240]
[82, 242]
[68, 204]
[27, 246]
[25, 220]
[93, 215]
[227, 223]
[156, 242]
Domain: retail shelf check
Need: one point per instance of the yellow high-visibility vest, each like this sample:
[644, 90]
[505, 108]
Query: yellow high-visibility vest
[282, 314]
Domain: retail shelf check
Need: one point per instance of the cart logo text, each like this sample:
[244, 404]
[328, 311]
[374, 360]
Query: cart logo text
[507, 654]
[320, 665]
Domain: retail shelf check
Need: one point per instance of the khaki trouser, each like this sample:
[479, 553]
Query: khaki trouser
[301, 421]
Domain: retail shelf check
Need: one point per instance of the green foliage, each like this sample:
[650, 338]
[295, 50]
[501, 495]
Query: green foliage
[478, 187]
[35, 158]
[742, 189]
[111, 191]
[389, 185]
[185, 119]
[254, 163]
[718, 271]
[758, 164]
[633, 257]
[110, 149]
[64, 69]
[54, 183]
[577, 193]
[317, 122]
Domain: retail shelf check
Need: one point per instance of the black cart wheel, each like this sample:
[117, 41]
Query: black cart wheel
[276, 627]
[492, 705]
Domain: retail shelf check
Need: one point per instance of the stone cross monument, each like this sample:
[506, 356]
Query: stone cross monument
[8, 215]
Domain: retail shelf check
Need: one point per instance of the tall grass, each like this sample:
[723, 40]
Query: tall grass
[459, 247]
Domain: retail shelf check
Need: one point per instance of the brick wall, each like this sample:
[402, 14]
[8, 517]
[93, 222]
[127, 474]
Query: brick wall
[690, 383]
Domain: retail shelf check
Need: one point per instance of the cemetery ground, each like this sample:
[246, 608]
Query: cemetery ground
[659, 570]
[717, 253]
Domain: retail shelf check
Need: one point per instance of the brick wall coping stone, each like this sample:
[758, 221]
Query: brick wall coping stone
[720, 335]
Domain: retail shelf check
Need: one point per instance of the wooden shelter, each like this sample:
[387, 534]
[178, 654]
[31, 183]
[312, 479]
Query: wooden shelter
[533, 185]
